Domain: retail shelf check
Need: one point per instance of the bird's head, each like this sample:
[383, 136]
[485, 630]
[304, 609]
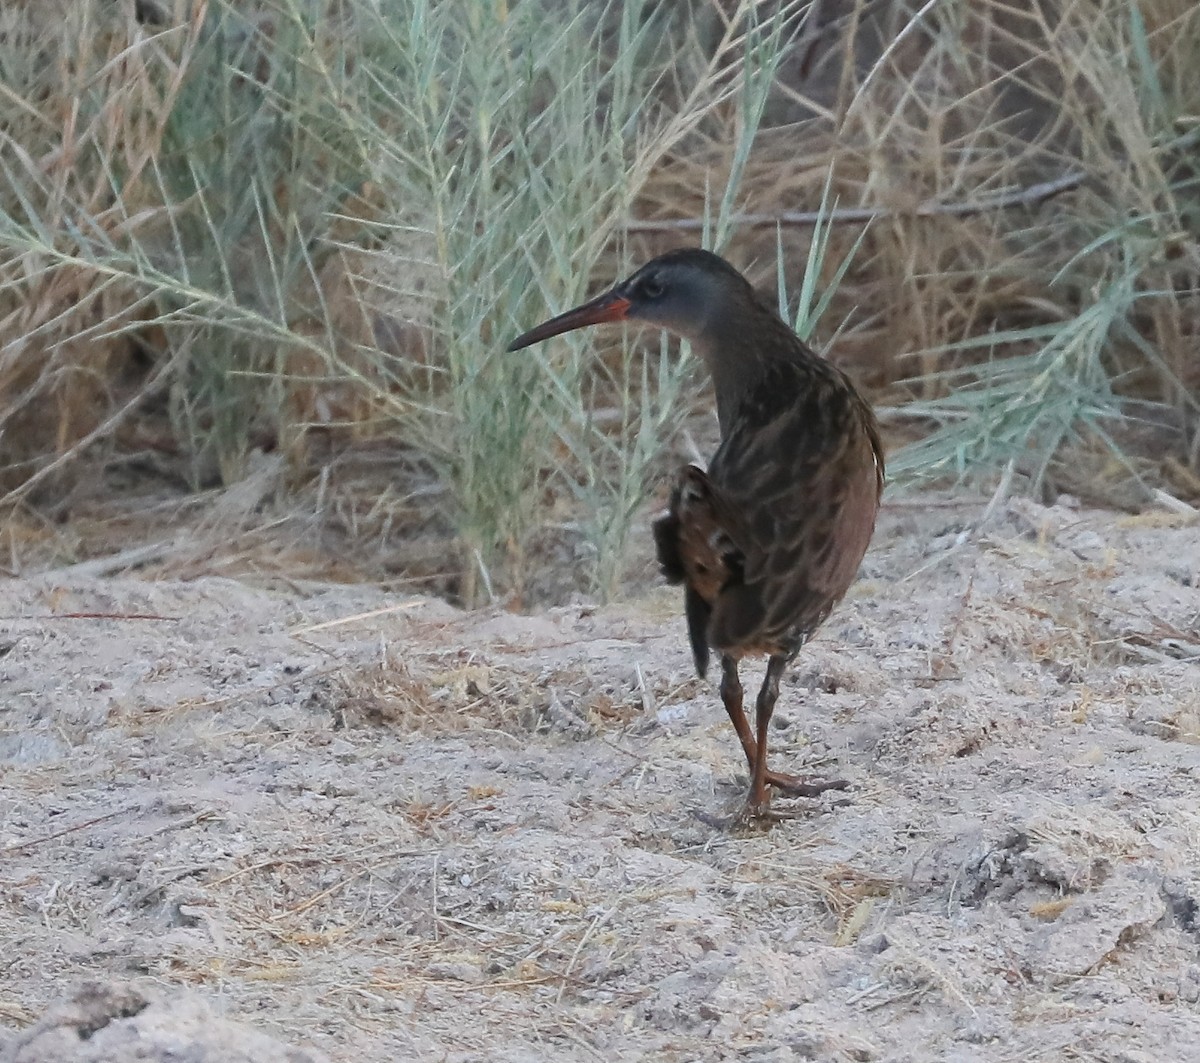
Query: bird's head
[685, 292]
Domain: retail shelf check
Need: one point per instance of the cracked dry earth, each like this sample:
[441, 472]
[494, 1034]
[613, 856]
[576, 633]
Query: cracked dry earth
[373, 828]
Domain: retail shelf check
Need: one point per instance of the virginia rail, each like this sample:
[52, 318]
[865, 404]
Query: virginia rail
[767, 541]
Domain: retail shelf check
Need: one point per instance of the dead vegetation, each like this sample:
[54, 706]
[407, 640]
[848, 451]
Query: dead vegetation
[168, 313]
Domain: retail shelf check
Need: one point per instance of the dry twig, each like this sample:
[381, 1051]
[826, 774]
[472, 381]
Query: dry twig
[1030, 196]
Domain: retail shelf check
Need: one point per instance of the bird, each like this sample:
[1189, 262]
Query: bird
[767, 540]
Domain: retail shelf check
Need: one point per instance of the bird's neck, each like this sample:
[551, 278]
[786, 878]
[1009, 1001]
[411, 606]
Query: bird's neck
[739, 356]
[731, 388]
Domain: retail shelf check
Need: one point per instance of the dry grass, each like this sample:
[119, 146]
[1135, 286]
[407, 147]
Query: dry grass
[1024, 332]
[235, 231]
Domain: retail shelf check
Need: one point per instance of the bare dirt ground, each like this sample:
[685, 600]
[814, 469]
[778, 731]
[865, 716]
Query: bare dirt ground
[383, 829]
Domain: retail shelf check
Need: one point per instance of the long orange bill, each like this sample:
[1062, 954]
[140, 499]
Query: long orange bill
[607, 307]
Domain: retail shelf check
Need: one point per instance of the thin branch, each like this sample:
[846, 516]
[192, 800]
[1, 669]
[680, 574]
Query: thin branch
[53, 835]
[1021, 197]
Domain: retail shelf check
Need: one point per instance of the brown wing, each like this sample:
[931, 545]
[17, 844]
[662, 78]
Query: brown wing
[802, 469]
[696, 543]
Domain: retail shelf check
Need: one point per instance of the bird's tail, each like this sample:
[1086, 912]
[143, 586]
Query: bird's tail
[698, 614]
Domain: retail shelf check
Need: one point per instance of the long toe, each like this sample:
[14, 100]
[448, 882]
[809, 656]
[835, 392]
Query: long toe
[798, 786]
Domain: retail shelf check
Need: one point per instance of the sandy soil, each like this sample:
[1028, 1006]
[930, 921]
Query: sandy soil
[383, 829]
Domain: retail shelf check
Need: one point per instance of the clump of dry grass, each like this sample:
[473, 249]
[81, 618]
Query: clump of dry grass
[79, 108]
[294, 217]
[304, 226]
[1015, 332]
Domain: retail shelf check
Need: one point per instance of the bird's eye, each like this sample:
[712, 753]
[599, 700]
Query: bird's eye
[651, 288]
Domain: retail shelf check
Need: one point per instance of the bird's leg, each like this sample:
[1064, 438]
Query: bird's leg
[760, 796]
[760, 776]
[731, 696]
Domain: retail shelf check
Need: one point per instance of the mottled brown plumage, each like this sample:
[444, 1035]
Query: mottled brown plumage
[767, 541]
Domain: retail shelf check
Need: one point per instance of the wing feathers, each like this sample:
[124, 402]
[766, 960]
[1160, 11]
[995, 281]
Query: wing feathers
[770, 538]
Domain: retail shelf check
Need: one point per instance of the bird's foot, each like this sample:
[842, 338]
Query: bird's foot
[757, 810]
[760, 815]
[756, 813]
[752, 816]
[749, 817]
[798, 786]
